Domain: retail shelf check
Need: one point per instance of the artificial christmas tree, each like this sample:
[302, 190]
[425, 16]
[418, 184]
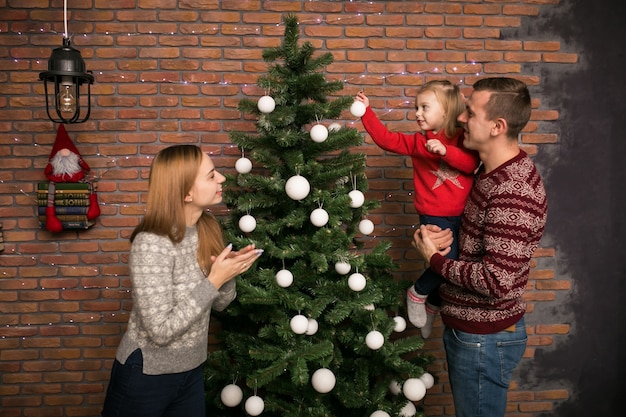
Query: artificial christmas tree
[314, 330]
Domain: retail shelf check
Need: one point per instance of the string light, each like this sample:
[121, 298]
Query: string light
[348, 80]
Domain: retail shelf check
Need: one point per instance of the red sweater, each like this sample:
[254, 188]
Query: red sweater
[501, 227]
[441, 184]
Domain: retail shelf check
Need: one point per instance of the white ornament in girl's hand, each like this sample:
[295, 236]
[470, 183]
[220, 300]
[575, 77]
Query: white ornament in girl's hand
[356, 198]
[323, 380]
[297, 187]
[247, 223]
[319, 133]
[266, 104]
[357, 109]
[243, 165]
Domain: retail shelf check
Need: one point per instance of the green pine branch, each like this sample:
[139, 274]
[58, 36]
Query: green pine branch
[259, 350]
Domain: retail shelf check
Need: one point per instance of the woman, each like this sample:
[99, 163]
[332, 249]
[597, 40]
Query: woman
[179, 270]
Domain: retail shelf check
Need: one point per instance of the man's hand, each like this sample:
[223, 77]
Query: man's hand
[430, 239]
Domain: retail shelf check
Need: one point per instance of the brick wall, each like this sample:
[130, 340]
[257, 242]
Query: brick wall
[173, 71]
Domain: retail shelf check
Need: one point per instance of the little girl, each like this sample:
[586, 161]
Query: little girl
[443, 172]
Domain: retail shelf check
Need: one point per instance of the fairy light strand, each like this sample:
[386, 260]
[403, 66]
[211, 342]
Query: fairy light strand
[112, 163]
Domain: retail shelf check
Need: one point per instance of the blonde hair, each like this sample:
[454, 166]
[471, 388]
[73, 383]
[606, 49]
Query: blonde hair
[451, 99]
[172, 174]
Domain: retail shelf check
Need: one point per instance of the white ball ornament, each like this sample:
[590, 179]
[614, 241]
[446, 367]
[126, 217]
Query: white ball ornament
[414, 389]
[319, 217]
[356, 198]
[357, 109]
[231, 395]
[357, 282]
[374, 340]
[297, 187]
[312, 327]
[369, 307]
[254, 405]
[323, 380]
[247, 223]
[366, 226]
[334, 127]
[319, 133]
[395, 388]
[284, 278]
[379, 413]
[342, 268]
[243, 165]
[266, 104]
[409, 410]
[400, 324]
[428, 380]
[299, 324]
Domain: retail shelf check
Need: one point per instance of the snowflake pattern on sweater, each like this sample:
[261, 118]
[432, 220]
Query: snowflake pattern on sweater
[501, 227]
[172, 302]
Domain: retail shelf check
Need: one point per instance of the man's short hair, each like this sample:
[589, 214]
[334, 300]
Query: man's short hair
[510, 100]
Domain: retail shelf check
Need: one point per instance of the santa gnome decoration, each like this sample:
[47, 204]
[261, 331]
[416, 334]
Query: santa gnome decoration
[66, 165]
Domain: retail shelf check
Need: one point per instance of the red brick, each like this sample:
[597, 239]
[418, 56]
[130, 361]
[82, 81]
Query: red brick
[170, 72]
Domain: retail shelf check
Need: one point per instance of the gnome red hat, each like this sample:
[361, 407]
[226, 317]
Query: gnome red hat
[65, 163]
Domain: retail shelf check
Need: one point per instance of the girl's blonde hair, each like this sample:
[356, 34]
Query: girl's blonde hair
[172, 174]
[451, 99]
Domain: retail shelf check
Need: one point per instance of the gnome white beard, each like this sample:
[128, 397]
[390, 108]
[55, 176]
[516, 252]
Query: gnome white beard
[65, 164]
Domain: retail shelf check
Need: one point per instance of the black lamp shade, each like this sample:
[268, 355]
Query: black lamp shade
[66, 67]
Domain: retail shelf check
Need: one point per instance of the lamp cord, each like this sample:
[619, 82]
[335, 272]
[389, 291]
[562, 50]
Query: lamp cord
[65, 18]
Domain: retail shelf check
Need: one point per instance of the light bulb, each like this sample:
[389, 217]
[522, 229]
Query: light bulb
[66, 99]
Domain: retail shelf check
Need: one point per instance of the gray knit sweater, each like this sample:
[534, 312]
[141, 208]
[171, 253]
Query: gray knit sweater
[172, 301]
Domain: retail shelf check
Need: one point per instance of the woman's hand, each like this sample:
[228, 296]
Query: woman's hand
[430, 239]
[228, 264]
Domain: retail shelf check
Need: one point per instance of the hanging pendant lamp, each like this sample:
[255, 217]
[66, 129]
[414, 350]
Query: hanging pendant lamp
[67, 71]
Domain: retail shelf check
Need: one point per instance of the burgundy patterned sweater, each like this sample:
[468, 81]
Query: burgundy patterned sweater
[501, 227]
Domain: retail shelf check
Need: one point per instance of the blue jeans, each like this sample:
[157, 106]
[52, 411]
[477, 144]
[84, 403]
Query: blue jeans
[131, 393]
[428, 283]
[480, 367]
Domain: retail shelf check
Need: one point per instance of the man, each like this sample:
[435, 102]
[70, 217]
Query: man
[483, 306]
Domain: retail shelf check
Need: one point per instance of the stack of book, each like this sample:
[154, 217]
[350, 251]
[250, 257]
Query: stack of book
[71, 203]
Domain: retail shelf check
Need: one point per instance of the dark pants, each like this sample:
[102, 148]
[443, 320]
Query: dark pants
[428, 283]
[131, 393]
